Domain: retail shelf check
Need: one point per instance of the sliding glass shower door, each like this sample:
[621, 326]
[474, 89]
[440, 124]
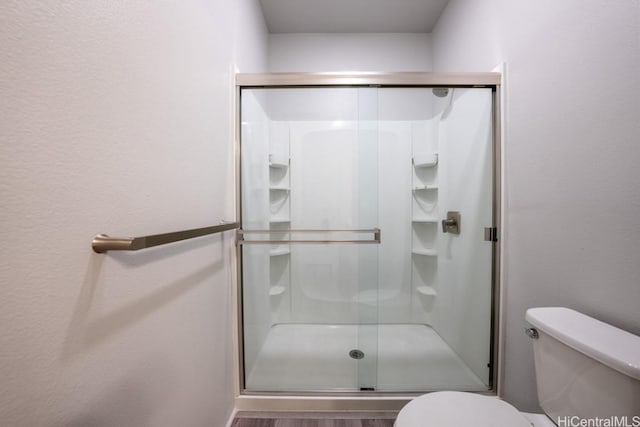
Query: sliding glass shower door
[365, 265]
[310, 252]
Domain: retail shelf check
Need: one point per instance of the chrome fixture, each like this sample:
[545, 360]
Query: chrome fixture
[452, 223]
[531, 333]
[241, 241]
[491, 234]
[440, 92]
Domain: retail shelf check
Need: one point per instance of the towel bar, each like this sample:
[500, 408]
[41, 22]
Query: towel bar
[103, 243]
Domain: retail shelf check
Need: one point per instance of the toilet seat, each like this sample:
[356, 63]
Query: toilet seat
[458, 409]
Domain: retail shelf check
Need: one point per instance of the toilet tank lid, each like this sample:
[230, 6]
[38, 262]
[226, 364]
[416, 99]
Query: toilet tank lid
[618, 349]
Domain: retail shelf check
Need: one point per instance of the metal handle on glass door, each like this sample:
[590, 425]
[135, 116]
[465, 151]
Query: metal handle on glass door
[452, 223]
[241, 241]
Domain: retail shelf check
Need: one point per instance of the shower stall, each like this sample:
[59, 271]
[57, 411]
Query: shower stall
[369, 211]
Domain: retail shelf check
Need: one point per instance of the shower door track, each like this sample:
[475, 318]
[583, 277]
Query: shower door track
[367, 400]
[368, 79]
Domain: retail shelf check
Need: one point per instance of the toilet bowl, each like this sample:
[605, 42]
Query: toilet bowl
[459, 409]
[584, 368]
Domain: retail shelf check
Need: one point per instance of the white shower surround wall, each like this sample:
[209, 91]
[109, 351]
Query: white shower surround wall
[323, 286]
[463, 315]
[255, 203]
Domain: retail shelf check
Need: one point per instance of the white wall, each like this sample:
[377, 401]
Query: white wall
[571, 151]
[349, 52]
[118, 119]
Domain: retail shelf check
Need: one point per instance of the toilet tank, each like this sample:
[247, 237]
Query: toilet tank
[584, 367]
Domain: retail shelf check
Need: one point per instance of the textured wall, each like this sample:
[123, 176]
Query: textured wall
[117, 118]
[572, 197]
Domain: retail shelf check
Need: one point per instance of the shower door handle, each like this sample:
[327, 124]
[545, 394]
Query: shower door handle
[452, 223]
[376, 239]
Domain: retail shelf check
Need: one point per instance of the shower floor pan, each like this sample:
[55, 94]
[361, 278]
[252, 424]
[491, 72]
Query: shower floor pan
[311, 357]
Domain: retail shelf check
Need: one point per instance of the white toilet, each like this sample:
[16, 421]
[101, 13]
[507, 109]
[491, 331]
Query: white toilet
[584, 368]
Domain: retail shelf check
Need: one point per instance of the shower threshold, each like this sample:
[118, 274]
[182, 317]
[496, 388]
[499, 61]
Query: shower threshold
[395, 358]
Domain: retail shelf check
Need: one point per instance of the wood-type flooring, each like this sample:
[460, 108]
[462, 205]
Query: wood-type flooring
[316, 419]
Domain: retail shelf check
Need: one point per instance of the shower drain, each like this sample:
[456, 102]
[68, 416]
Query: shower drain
[356, 354]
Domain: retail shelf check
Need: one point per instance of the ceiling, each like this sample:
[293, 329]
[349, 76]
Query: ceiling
[351, 16]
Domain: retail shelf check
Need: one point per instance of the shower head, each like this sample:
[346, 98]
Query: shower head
[440, 92]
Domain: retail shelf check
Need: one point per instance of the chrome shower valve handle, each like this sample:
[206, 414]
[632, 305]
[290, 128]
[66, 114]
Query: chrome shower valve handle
[452, 223]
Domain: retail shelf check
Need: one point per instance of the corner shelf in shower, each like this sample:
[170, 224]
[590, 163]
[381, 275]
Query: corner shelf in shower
[279, 251]
[425, 219]
[426, 160]
[279, 220]
[425, 187]
[427, 291]
[425, 252]
[278, 162]
[279, 188]
[276, 290]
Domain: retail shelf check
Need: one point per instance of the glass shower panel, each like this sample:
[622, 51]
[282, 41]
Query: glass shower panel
[368, 261]
[462, 316]
[334, 163]
[309, 172]
[435, 288]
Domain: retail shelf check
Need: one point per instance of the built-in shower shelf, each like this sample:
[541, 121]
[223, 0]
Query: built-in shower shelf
[425, 252]
[278, 162]
[426, 291]
[275, 165]
[279, 220]
[279, 188]
[425, 160]
[276, 290]
[279, 251]
[425, 219]
[425, 187]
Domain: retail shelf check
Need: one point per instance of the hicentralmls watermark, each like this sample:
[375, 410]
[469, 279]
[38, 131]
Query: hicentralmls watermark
[575, 421]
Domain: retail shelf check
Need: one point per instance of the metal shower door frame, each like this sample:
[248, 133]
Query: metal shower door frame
[490, 80]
